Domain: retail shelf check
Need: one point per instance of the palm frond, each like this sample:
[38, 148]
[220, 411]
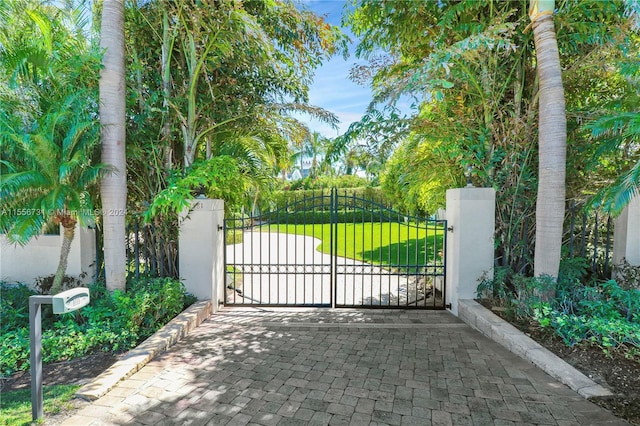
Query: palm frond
[30, 180]
[23, 228]
[616, 197]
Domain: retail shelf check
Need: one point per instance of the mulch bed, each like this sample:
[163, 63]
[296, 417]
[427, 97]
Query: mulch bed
[75, 372]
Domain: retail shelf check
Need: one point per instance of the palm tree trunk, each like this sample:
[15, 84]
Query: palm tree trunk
[69, 233]
[552, 141]
[112, 120]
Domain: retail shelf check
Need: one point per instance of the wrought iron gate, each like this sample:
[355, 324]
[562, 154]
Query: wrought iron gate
[335, 250]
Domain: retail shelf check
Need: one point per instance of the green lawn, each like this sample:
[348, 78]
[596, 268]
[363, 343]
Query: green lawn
[15, 406]
[376, 243]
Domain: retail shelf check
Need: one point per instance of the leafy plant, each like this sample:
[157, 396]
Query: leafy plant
[627, 275]
[218, 177]
[111, 322]
[14, 306]
[603, 314]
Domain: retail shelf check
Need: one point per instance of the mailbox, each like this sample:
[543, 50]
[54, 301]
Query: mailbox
[67, 301]
[70, 300]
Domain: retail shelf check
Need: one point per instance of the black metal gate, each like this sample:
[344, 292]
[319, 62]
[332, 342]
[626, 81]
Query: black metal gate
[335, 250]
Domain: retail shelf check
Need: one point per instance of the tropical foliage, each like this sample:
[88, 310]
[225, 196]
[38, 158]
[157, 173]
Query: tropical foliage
[471, 77]
[112, 322]
[602, 314]
[618, 132]
[220, 79]
[48, 127]
[210, 87]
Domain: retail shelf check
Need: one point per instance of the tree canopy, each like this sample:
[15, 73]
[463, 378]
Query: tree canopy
[470, 69]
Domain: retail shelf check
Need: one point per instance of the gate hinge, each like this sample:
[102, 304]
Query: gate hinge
[450, 229]
[448, 306]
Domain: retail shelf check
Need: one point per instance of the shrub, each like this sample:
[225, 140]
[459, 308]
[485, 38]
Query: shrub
[111, 322]
[598, 313]
[627, 275]
[302, 199]
[323, 182]
[14, 306]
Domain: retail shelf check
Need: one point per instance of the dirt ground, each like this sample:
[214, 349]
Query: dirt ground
[76, 372]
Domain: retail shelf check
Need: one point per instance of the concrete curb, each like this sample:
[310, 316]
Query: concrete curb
[138, 357]
[500, 331]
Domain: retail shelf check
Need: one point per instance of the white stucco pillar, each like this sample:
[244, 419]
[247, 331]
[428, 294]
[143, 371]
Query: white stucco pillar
[201, 246]
[88, 265]
[471, 221]
[626, 234]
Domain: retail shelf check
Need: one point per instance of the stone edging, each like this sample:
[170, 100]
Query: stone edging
[138, 357]
[499, 330]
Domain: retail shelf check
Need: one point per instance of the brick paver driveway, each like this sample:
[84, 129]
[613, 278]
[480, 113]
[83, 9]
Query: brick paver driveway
[299, 367]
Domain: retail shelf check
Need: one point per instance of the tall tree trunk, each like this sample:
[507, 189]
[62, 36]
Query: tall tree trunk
[552, 141]
[167, 45]
[68, 234]
[112, 120]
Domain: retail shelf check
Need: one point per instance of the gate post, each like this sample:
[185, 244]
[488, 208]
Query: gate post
[470, 216]
[201, 245]
[626, 234]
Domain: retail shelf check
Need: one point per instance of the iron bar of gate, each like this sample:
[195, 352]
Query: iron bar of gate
[584, 234]
[595, 246]
[572, 228]
[353, 255]
[333, 243]
[594, 238]
[137, 249]
[607, 272]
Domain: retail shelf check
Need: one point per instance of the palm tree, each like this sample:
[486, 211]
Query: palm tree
[552, 141]
[50, 180]
[618, 131]
[48, 131]
[112, 122]
[314, 147]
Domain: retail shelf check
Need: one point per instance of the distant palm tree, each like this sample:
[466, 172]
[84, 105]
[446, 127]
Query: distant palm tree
[314, 148]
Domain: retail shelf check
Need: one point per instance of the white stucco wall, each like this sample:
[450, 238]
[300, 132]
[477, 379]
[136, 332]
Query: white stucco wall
[470, 216]
[201, 250]
[40, 257]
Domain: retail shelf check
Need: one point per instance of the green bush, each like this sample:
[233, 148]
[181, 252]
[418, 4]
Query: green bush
[14, 306]
[598, 313]
[603, 314]
[320, 217]
[627, 275]
[302, 200]
[112, 322]
[323, 182]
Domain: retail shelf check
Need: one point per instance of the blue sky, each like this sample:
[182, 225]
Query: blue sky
[332, 89]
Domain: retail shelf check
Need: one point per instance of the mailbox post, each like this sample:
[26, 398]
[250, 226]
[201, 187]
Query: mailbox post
[64, 302]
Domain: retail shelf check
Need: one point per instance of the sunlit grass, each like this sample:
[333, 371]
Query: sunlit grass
[376, 243]
[15, 406]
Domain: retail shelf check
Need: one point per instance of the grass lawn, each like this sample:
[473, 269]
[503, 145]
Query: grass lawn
[15, 406]
[377, 243]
